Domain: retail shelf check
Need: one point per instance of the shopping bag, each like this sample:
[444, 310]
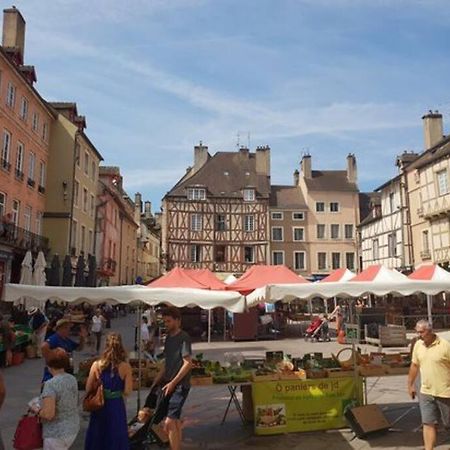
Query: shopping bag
[28, 435]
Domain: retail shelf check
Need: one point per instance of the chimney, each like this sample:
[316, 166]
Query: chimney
[263, 160]
[138, 201]
[201, 156]
[14, 31]
[352, 171]
[244, 151]
[433, 129]
[148, 210]
[296, 177]
[305, 165]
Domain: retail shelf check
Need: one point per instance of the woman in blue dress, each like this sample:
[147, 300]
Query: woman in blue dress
[108, 428]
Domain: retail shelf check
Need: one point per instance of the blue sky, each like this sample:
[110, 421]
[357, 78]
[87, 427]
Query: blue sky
[154, 77]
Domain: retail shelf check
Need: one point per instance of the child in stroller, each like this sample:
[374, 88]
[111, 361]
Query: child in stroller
[318, 330]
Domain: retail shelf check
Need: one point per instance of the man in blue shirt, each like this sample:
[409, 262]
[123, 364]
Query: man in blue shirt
[60, 339]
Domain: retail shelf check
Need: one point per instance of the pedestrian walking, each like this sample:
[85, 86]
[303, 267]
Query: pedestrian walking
[59, 409]
[431, 357]
[60, 339]
[2, 399]
[108, 429]
[38, 324]
[98, 321]
[174, 376]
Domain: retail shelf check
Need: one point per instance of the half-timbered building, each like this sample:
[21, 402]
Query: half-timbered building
[216, 216]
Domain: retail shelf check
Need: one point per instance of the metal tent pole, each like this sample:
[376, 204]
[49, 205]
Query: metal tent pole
[209, 326]
[139, 350]
[430, 308]
[225, 316]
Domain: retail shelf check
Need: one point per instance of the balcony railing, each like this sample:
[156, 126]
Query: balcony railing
[5, 165]
[425, 254]
[19, 175]
[20, 238]
[31, 182]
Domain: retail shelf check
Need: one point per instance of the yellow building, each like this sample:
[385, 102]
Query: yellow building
[73, 168]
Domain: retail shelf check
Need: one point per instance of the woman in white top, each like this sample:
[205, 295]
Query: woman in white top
[97, 326]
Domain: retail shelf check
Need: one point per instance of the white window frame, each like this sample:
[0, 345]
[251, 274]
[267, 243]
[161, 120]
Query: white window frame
[442, 182]
[45, 132]
[317, 205]
[282, 234]
[15, 212]
[24, 109]
[252, 254]
[249, 223]
[346, 260]
[196, 224]
[35, 121]
[223, 223]
[249, 195]
[338, 231]
[345, 231]
[42, 174]
[301, 213]
[3, 203]
[332, 260]
[197, 194]
[32, 166]
[302, 232]
[27, 215]
[392, 245]
[195, 253]
[11, 95]
[326, 261]
[295, 260]
[38, 223]
[324, 227]
[391, 202]
[425, 240]
[338, 207]
[375, 249]
[278, 252]
[6, 146]
[20, 157]
[274, 213]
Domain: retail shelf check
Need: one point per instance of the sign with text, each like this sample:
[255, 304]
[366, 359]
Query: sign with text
[292, 406]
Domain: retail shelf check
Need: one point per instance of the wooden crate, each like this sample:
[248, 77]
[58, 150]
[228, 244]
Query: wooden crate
[397, 370]
[300, 375]
[201, 381]
[389, 336]
[338, 373]
[311, 374]
[269, 377]
[372, 371]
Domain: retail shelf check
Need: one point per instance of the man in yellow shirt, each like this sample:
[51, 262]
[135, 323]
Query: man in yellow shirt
[431, 355]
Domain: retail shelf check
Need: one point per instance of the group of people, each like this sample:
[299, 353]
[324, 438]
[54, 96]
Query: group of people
[108, 428]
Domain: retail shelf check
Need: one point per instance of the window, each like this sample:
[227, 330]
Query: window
[77, 154]
[425, 241]
[15, 212]
[74, 235]
[38, 226]
[249, 223]
[320, 207]
[375, 249]
[19, 160]
[335, 261]
[11, 95]
[350, 261]
[221, 222]
[31, 167]
[23, 108]
[27, 218]
[196, 222]
[321, 261]
[442, 181]
[249, 195]
[391, 202]
[277, 216]
[92, 206]
[277, 258]
[93, 170]
[6, 149]
[85, 200]
[334, 229]
[42, 174]
[219, 253]
[83, 238]
[2, 204]
[196, 194]
[334, 207]
[299, 261]
[349, 231]
[392, 245]
[277, 233]
[45, 131]
[299, 234]
[320, 231]
[298, 216]
[86, 163]
[76, 193]
[35, 121]
[249, 254]
[196, 253]
[91, 242]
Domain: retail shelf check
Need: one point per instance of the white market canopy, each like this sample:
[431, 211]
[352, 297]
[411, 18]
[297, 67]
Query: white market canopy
[376, 280]
[179, 297]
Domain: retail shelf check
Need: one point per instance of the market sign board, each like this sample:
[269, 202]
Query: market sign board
[309, 405]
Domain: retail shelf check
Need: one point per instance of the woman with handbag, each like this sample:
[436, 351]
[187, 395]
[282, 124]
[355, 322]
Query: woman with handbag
[59, 410]
[108, 428]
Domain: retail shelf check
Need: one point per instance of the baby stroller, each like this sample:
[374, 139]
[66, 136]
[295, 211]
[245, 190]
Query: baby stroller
[318, 330]
[147, 434]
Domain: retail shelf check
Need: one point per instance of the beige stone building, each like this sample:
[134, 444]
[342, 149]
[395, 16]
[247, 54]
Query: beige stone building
[429, 195]
[73, 168]
[148, 241]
